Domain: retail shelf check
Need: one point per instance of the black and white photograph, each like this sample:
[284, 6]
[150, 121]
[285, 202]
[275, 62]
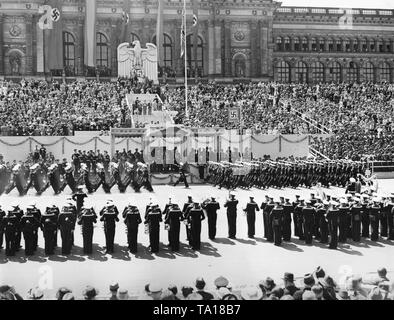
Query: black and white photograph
[210, 150]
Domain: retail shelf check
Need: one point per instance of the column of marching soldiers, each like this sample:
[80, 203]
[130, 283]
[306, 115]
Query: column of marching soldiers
[327, 221]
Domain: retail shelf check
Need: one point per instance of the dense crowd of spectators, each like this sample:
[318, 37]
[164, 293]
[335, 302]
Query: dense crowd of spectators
[313, 286]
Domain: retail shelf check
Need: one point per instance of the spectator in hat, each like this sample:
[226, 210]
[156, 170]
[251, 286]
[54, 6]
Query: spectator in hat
[113, 289]
[277, 292]
[123, 294]
[186, 291]
[155, 291]
[61, 292]
[200, 285]
[68, 296]
[268, 284]
[287, 297]
[221, 282]
[194, 296]
[329, 287]
[226, 294]
[167, 295]
[289, 286]
[9, 293]
[308, 295]
[173, 288]
[309, 282]
[35, 294]
[318, 291]
[89, 293]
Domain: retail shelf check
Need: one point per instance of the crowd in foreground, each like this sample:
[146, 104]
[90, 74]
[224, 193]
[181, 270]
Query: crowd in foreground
[317, 285]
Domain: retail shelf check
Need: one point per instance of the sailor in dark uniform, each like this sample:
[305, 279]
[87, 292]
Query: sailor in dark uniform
[295, 216]
[365, 217]
[299, 219]
[276, 217]
[374, 216]
[2, 215]
[250, 211]
[66, 223]
[132, 219]
[29, 226]
[173, 220]
[211, 207]
[343, 221]
[194, 218]
[267, 220]
[152, 220]
[262, 207]
[288, 209]
[86, 220]
[231, 206]
[383, 218]
[333, 222]
[37, 215]
[390, 218]
[355, 212]
[10, 227]
[52, 211]
[49, 230]
[18, 212]
[308, 216]
[79, 198]
[186, 207]
[321, 213]
[109, 216]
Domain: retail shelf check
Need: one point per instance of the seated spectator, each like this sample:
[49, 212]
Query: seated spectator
[200, 285]
[89, 293]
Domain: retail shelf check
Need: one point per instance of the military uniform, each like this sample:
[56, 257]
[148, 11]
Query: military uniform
[79, 197]
[173, 220]
[211, 207]
[343, 222]
[298, 220]
[231, 206]
[194, 217]
[333, 222]
[182, 175]
[29, 226]
[308, 216]
[132, 219]
[10, 227]
[250, 211]
[186, 207]
[288, 210]
[109, 217]
[374, 217]
[269, 232]
[49, 229]
[390, 218]
[2, 215]
[321, 213]
[355, 212]
[87, 219]
[152, 220]
[276, 217]
[365, 218]
[66, 223]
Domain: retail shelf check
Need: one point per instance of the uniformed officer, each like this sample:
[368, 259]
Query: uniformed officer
[132, 219]
[383, 217]
[182, 175]
[321, 212]
[194, 218]
[54, 210]
[374, 217]
[276, 217]
[355, 212]
[267, 220]
[10, 227]
[288, 210]
[211, 207]
[109, 216]
[29, 226]
[2, 215]
[231, 206]
[333, 222]
[152, 220]
[308, 216]
[79, 198]
[49, 230]
[250, 211]
[365, 217]
[295, 216]
[173, 220]
[343, 220]
[87, 219]
[18, 212]
[298, 219]
[66, 223]
[262, 207]
[390, 218]
[37, 215]
[186, 207]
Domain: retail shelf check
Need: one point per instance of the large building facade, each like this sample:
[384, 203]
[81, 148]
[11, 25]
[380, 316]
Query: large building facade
[252, 39]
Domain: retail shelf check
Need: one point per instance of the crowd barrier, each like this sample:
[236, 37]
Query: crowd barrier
[246, 146]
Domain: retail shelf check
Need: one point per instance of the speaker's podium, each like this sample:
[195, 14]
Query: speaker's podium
[147, 110]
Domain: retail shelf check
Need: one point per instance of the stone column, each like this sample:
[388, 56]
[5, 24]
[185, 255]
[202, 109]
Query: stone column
[218, 48]
[227, 49]
[211, 48]
[80, 49]
[254, 50]
[271, 46]
[29, 45]
[1, 45]
[178, 61]
[264, 50]
[40, 60]
[115, 32]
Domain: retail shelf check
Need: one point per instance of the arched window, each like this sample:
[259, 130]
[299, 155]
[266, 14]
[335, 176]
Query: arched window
[355, 45]
[317, 72]
[301, 72]
[321, 45]
[134, 37]
[352, 72]
[102, 50]
[330, 45]
[287, 44]
[369, 72]
[338, 45]
[380, 46]
[297, 46]
[364, 45]
[305, 44]
[347, 45]
[334, 72]
[282, 71]
[371, 45]
[195, 56]
[167, 48]
[279, 44]
[69, 51]
[314, 44]
[384, 72]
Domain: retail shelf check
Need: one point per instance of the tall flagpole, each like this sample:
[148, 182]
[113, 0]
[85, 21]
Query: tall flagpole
[185, 53]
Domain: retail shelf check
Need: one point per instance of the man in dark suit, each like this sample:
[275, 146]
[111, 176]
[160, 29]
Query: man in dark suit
[200, 285]
[231, 206]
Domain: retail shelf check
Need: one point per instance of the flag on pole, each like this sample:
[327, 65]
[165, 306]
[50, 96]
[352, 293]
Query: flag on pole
[159, 33]
[195, 37]
[52, 21]
[183, 33]
[90, 33]
[125, 20]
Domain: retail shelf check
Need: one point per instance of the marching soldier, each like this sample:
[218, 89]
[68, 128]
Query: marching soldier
[343, 221]
[286, 221]
[374, 216]
[173, 220]
[194, 218]
[250, 211]
[276, 217]
[109, 216]
[365, 217]
[10, 227]
[308, 216]
[79, 198]
[152, 220]
[182, 175]
[66, 224]
[231, 206]
[333, 219]
[132, 219]
[49, 230]
[186, 207]
[211, 207]
[87, 219]
[29, 226]
[355, 212]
